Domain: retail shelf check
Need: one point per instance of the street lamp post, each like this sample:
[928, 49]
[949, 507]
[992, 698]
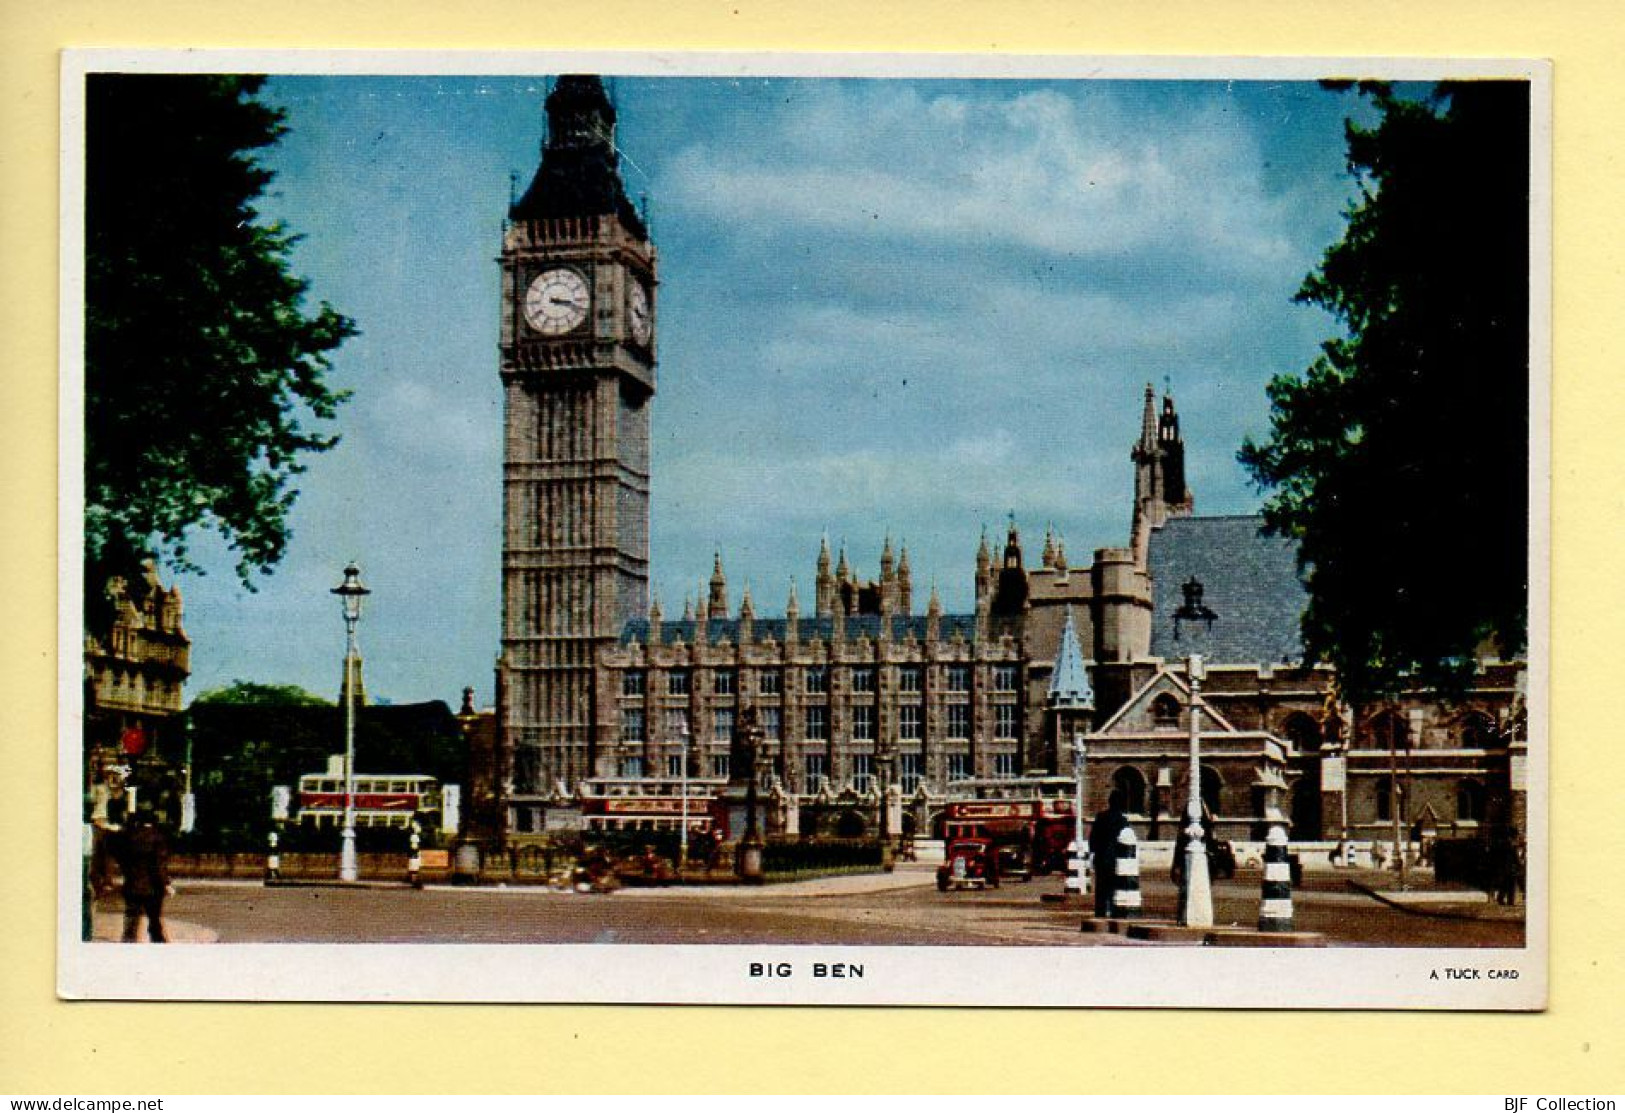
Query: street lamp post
[682, 841]
[1196, 903]
[1080, 773]
[350, 594]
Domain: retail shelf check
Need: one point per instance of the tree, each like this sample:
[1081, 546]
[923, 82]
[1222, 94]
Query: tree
[201, 361]
[249, 693]
[250, 737]
[1399, 460]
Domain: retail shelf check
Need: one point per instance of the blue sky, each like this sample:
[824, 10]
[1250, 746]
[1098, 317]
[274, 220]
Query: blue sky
[904, 307]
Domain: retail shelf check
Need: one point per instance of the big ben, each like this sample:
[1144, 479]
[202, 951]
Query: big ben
[578, 373]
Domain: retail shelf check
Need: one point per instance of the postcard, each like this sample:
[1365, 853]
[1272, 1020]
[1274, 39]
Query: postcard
[805, 529]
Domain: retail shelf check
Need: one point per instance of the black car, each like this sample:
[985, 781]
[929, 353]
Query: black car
[1221, 860]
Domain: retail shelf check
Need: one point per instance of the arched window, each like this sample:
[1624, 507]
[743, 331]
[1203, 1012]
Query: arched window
[1165, 711]
[1303, 732]
[1212, 790]
[1131, 783]
[1385, 798]
[1470, 801]
[1390, 730]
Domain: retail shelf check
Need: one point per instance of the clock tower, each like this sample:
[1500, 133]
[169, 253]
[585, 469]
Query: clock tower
[578, 375]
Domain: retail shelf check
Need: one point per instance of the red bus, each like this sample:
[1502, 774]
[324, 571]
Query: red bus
[381, 799]
[1030, 820]
[645, 804]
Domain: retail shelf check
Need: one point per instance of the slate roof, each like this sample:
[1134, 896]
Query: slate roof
[910, 627]
[1250, 583]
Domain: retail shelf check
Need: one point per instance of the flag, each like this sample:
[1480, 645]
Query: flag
[134, 740]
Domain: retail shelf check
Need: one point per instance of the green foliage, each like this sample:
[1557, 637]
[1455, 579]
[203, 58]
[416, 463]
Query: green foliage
[785, 857]
[201, 361]
[247, 693]
[241, 750]
[1399, 459]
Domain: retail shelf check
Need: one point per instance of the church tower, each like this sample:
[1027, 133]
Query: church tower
[1160, 492]
[578, 375]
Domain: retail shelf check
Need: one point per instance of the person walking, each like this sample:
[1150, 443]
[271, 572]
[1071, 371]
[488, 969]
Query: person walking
[1103, 835]
[143, 858]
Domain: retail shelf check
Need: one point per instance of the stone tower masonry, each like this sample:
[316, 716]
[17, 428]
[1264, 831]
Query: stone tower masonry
[578, 373]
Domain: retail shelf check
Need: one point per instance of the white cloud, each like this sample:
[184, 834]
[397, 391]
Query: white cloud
[1037, 171]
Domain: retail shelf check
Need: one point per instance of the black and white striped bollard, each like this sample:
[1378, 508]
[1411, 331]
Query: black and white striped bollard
[1275, 910]
[414, 864]
[1077, 871]
[273, 860]
[1126, 881]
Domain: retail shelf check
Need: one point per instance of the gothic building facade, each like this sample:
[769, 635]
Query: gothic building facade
[865, 690]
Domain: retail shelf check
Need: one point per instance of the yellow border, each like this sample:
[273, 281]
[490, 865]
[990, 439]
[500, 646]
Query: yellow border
[47, 1047]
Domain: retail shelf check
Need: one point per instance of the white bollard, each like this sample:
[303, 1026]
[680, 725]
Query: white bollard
[414, 864]
[1077, 870]
[1126, 887]
[1275, 909]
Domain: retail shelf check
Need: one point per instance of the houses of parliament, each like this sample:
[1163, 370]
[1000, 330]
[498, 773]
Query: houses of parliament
[857, 687]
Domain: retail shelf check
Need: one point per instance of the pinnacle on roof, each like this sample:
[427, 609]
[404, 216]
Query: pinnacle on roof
[793, 607]
[823, 553]
[579, 174]
[1069, 683]
[1148, 420]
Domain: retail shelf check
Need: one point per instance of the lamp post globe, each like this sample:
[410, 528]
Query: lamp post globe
[350, 592]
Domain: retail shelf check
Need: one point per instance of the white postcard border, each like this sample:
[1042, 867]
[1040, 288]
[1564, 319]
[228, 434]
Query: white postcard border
[1265, 978]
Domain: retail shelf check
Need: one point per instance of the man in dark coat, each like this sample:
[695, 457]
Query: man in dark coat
[1103, 835]
[143, 858]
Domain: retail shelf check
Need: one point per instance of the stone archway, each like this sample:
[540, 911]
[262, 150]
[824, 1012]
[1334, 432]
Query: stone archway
[1307, 817]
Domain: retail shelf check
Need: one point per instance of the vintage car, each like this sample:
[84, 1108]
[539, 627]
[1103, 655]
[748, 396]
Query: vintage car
[1221, 860]
[969, 863]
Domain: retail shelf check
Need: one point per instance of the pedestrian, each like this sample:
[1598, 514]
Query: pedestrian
[1103, 836]
[143, 858]
[1506, 867]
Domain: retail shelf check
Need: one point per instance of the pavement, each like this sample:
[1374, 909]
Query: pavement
[107, 926]
[1350, 908]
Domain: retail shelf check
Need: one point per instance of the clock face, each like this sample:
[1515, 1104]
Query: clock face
[638, 311]
[556, 302]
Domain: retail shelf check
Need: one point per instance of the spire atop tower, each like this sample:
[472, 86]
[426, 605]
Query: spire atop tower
[1069, 683]
[1148, 420]
[717, 599]
[580, 171]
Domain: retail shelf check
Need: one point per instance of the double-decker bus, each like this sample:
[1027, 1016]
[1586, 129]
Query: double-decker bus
[1030, 820]
[381, 799]
[649, 804]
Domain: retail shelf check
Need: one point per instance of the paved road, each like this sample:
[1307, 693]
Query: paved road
[881, 910]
